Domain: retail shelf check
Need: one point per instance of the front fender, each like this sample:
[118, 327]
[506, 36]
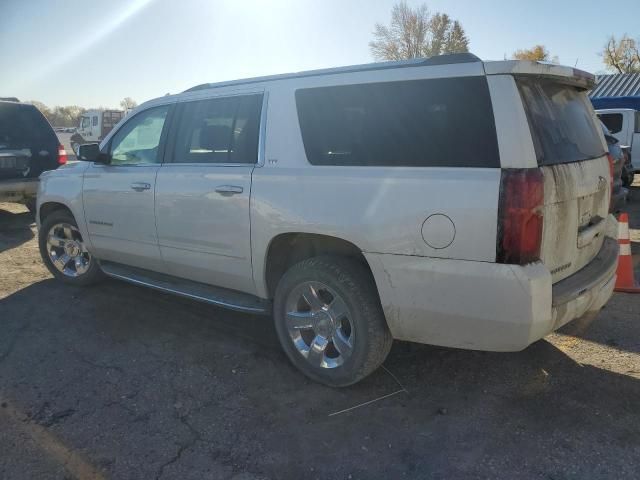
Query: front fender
[64, 186]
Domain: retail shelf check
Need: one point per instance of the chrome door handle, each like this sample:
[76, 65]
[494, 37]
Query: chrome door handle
[140, 186]
[228, 190]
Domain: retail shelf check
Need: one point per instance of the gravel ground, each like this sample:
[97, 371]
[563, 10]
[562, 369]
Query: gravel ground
[121, 382]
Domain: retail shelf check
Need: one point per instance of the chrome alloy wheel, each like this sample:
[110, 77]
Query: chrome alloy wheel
[319, 324]
[67, 251]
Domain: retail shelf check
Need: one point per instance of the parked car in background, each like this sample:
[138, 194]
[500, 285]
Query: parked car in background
[628, 175]
[94, 125]
[28, 147]
[349, 204]
[618, 159]
[624, 124]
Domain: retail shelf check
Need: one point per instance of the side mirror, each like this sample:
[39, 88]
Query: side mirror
[611, 140]
[90, 152]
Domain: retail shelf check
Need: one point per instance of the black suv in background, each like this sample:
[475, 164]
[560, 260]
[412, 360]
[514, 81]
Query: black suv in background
[28, 146]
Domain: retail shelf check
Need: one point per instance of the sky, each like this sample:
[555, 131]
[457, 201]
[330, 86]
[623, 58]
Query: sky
[96, 52]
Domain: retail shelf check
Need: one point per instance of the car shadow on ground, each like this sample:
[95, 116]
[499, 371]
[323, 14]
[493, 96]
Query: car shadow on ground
[151, 384]
[15, 229]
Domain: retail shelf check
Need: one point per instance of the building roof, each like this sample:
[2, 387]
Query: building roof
[619, 85]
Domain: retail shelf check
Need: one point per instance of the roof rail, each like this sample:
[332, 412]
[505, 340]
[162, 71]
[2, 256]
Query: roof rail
[418, 62]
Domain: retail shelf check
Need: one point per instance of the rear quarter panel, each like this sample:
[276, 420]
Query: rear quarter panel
[378, 209]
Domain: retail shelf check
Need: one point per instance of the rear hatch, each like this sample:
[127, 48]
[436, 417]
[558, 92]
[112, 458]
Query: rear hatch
[572, 156]
[28, 144]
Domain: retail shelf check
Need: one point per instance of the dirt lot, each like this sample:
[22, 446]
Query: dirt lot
[121, 382]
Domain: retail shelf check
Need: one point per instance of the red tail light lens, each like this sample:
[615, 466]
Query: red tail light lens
[520, 219]
[62, 155]
[610, 157]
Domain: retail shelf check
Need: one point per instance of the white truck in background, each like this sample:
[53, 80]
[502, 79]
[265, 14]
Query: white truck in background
[94, 125]
[624, 124]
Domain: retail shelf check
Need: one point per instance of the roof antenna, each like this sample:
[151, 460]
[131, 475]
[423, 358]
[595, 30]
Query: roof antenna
[576, 62]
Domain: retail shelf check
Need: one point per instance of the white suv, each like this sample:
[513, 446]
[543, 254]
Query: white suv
[446, 201]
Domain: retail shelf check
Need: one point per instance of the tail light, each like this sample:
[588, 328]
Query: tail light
[520, 218]
[62, 155]
[610, 157]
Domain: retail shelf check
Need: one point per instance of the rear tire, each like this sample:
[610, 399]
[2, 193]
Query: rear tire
[64, 252]
[329, 320]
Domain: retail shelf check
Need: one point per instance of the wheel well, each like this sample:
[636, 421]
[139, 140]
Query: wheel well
[48, 208]
[288, 249]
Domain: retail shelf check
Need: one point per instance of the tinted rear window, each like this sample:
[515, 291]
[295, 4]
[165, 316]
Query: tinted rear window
[23, 126]
[418, 123]
[561, 122]
[613, 121]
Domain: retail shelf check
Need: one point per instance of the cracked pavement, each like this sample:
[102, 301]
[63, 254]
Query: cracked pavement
[120, 382]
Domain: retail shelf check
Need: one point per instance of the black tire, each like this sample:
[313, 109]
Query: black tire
[31, 205]
[352, 281]
[75, 141]
[92, 275]
[626, 177]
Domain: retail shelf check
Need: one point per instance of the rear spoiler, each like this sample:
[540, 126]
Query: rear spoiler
[560, 73]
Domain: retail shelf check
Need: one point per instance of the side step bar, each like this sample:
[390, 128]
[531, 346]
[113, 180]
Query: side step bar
[222, 297]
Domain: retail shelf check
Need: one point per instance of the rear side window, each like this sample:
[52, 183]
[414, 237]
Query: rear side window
[613, 121]
[637, 126]
[418, 123]
[561, 122]
[95, 121]
[219, 130]
[23, 126]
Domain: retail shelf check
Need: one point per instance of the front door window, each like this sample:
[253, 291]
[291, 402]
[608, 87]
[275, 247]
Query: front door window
[138, 140]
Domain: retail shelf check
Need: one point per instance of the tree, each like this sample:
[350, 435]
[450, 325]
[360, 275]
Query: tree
[128, 103]
[457, 40]
[622, 56]
[67, 116]
[415, 33]
[538, 53]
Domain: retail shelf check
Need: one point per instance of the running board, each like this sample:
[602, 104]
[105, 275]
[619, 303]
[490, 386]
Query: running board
[222, 297]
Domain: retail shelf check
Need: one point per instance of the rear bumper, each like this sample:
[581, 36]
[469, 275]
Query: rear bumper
[15, 190]
[486, 306]
[588, 289]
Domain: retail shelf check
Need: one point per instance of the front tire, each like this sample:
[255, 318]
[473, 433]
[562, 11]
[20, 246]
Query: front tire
[75, 141]
[329, 320]
[64, 252]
